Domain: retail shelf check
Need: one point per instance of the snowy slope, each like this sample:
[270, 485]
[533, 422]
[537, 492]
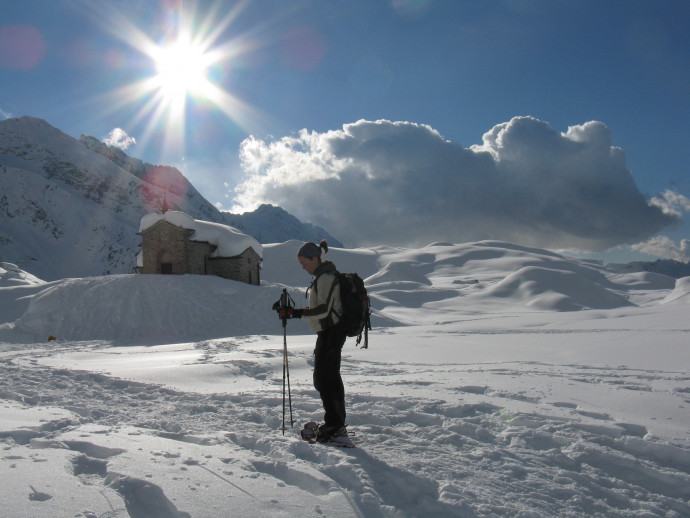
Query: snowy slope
[500, 381]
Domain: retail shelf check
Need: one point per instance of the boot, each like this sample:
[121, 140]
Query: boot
[326, 433]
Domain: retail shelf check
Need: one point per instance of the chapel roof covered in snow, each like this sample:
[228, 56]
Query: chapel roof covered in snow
[230, 241]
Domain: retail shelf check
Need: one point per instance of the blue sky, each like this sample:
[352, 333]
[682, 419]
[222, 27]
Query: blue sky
[550, 123]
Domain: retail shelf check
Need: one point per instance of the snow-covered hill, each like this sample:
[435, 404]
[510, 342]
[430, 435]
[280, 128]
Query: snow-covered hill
[405, 285]
[500, 381]
[71, 208]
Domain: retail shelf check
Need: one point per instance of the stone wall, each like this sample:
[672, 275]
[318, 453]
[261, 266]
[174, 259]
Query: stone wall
[165, 244]
[198, 253]
[245, 267]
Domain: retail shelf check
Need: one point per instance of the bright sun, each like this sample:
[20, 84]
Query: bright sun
[181, 69]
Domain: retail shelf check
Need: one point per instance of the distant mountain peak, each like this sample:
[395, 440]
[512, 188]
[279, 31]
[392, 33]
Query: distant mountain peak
[271, 223]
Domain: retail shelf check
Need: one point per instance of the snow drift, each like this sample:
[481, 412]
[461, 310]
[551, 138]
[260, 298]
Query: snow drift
[556, 290]
[147, 309]
[680, 293]
[151, 309]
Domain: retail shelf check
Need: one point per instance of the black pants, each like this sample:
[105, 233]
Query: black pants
[327, 380]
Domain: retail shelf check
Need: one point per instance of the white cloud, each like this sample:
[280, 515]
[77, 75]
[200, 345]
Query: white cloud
[671, 203]
[402, 183]
[663, 246]
[119, 138]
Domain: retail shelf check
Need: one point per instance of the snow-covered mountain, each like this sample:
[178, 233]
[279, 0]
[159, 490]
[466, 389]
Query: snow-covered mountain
[71, 208]
[668, 267]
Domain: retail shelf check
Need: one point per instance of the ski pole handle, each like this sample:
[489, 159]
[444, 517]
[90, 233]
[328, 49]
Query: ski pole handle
[283, 305]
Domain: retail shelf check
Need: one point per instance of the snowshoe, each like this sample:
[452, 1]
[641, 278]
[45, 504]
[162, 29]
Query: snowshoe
[340, 437]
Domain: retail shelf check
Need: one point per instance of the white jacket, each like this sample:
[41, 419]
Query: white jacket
[325, 306]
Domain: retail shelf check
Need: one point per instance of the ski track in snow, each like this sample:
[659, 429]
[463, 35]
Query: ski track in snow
[467, 453]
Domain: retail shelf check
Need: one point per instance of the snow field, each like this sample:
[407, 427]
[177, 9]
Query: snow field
[471, 401]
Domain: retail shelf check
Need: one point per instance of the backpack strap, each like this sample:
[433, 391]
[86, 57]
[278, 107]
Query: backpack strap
[335, 283]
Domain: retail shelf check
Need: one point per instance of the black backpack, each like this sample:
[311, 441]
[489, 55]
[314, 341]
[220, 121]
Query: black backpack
[355, 302]
[356, 308]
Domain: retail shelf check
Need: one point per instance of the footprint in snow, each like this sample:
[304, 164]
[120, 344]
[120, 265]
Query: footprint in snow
[38, 496]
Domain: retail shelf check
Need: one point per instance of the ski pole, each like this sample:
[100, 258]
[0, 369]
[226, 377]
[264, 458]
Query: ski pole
[284, 302]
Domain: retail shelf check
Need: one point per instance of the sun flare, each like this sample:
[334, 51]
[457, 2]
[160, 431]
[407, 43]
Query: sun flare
[196, 50]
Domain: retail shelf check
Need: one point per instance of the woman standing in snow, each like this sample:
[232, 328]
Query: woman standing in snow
[323, 312]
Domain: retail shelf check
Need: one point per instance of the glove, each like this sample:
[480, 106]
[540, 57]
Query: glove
[288, 312]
